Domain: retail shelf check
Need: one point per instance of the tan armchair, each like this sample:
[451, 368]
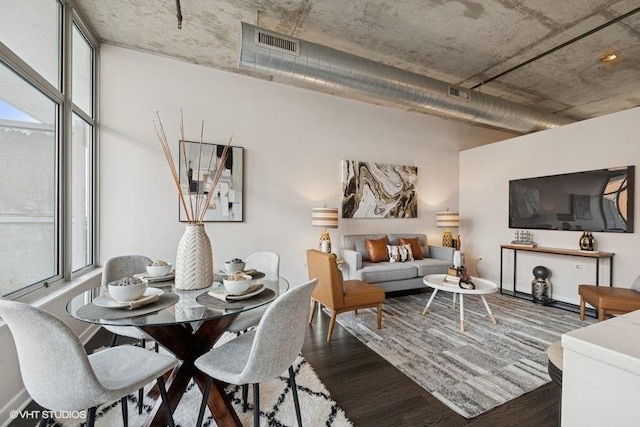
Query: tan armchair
[608, 300]
[338, 295]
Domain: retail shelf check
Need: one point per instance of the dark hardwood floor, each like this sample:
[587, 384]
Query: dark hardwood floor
[374, 393]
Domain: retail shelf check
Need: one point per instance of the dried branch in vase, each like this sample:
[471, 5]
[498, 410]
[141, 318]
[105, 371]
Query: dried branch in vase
[195, 211]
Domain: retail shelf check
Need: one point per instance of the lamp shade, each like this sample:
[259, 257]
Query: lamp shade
[324, 217]
[447, 219]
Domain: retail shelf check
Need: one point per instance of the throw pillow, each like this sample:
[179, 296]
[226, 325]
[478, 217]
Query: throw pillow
[400, 253]
[377, 249]
[636, 284]
[416, 249]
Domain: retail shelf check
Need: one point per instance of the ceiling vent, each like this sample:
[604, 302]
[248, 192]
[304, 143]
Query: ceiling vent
[313, 66]
[276, 42]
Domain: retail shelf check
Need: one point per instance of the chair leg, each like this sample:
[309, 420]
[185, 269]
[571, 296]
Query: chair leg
[582, 308]
[143, 343]
[203, 405]
[256, 405]
[114, 338]
[165, 402]
[91, 417]
[44, 422]
[294, 390]
[380, 316]
[356, 311]
[140, 400]
[245, 394]
[125, 412]
[157, 347]
[600, 314]
[312, 312]
[332, 323]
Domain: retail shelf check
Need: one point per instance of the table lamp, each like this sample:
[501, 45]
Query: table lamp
[326, 218]
[447, 219]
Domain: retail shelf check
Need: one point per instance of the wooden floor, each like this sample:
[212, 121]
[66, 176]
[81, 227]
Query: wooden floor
[374, 393]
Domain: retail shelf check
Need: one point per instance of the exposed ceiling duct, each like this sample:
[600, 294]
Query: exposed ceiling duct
[312, 66]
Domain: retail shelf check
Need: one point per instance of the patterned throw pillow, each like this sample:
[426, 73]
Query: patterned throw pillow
[400, 253]
[377, 249]
[415, 246]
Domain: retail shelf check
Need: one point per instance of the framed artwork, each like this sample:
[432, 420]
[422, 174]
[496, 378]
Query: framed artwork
[376, 190]
[197, 166]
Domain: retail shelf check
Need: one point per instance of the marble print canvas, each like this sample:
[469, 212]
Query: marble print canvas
[376, 190]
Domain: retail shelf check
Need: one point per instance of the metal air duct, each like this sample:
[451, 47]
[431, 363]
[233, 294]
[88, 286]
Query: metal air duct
[312, 66]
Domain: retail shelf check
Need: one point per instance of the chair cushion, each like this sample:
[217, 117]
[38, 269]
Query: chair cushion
[608, 298]
[359, 293]
[377, 249]
[399, 253]
[415, 246]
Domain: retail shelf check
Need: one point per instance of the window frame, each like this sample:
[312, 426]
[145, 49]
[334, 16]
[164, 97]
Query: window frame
[63, 214]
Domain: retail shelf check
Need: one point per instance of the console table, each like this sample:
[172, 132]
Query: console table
[597, 255]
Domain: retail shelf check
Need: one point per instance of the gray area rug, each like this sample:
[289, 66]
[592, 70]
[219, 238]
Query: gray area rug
[276, 404]
[474, 371]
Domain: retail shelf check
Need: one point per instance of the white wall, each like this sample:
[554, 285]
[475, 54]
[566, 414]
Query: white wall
[294, 142]
[485, 172]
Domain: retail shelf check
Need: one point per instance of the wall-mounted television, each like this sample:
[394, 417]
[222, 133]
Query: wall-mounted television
[597, 200]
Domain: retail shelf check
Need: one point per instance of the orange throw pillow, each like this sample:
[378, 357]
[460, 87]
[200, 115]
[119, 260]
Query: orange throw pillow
[377, 249]
[415, 247]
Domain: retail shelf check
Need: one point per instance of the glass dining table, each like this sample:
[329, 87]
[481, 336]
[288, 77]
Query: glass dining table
[187, 324]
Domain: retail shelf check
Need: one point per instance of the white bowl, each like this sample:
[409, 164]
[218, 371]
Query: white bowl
[237, 286]
[158, 270]
[128, 292]
[233, 267]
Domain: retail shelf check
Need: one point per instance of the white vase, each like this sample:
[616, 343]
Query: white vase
[194, 260]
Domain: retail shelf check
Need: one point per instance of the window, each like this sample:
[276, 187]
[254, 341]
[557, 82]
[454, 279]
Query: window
[47, 155]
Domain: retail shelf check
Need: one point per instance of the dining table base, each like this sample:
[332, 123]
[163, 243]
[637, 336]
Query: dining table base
[187, 344]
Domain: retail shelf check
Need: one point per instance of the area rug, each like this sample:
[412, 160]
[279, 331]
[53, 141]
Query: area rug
[474, 371]
[276, 403]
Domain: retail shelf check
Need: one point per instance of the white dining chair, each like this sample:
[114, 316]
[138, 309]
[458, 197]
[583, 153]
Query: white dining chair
[263, 353]
[116, 268]
[59, 376]
[265, 262]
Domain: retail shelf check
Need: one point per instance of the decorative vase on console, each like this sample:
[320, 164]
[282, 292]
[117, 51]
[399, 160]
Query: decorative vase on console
[194, 259]
[587, 241]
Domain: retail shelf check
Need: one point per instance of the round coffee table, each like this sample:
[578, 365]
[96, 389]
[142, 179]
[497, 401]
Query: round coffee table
[446, 283]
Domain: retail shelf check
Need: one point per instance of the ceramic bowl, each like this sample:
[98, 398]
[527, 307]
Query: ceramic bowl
[126, 293]
[237, 286]
[233, 267]
[158, 270]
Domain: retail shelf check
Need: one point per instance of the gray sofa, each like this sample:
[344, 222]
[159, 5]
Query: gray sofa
[393, 276]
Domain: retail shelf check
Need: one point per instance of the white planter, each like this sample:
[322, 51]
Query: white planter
[194, 260]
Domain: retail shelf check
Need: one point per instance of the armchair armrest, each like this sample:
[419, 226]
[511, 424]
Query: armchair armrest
[352, 262]
[441, 252]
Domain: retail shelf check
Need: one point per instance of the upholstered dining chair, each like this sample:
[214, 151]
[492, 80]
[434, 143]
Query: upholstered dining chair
[59, 375]
[609, 300]
[265, 262]
[340, 295]
[262, 353]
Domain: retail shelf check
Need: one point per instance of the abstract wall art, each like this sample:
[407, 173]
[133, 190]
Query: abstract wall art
[376, 190]
[198, 164]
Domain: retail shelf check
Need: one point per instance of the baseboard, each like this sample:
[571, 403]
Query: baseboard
[22, 398]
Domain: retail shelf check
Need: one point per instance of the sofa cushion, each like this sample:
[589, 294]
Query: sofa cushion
[399, 253]
[428, 266]
[416, 250]
[387, 271]
[377, 249]
[394, 239]
[355, 242]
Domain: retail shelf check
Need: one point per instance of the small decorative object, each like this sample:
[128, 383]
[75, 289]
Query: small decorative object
[194, 259]
[587, 241]
[158, 268]
[127, 289]
[234, 265]
[447, 219]
[457, 259]
[541, 286]
[465, 281]
[523, 238]
[237, 283]
[327, 218]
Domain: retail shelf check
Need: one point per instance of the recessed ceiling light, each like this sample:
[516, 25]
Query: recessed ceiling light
[610, 57]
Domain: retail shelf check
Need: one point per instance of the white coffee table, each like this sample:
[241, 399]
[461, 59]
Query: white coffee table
[438, 283]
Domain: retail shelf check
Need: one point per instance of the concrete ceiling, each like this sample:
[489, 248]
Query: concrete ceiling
[462, 42]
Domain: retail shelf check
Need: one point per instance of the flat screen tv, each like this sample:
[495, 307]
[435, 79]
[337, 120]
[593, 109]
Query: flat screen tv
[597, 200]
